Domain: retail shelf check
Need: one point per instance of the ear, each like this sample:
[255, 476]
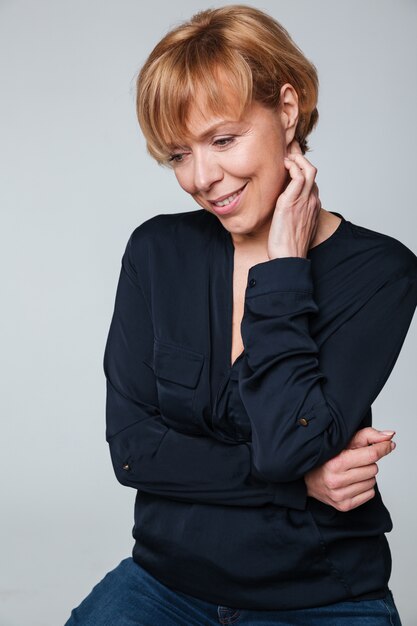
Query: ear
[288, 111]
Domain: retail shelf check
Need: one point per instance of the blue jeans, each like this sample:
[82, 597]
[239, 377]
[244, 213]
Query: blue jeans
[129, 596]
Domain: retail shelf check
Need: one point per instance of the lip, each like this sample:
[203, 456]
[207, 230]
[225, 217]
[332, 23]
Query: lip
[222, 210]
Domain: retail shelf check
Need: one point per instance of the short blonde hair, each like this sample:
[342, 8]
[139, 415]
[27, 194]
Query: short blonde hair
[249, 47]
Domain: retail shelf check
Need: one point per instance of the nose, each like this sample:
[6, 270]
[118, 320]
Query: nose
[206, 170]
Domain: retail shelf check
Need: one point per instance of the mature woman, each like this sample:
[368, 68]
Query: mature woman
[248, 341]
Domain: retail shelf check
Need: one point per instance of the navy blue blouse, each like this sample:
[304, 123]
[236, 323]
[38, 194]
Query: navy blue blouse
[217, 453]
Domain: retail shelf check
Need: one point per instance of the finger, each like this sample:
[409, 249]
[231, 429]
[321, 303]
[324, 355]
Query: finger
[359, 474]
[349, 492]
[307, 168]
[356, 501]
[296, 188]
[297, 182]
[366, 455]
[341, 480]
[369, 435]
[302, 162]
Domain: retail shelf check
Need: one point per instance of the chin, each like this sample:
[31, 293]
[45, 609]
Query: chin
[241, 223]
[246, 230]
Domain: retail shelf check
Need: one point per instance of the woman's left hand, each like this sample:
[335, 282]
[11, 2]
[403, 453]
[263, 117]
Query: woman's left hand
[295, 220]
[348, 480]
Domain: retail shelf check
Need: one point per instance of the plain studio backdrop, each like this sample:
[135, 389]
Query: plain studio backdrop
[76, 181]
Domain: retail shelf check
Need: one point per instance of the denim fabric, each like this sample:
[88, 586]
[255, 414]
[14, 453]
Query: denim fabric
[129, 596]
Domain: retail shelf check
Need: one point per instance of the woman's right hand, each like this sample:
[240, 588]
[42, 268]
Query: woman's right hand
[296, 216]
[347, 480]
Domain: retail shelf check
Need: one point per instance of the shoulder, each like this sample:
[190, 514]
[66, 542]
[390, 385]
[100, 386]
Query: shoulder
[169, 245]
[386, 255]
[167, 229]
[166, 225]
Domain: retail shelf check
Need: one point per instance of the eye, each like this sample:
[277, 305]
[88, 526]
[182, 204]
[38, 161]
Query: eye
[175, 158]
[224, 141]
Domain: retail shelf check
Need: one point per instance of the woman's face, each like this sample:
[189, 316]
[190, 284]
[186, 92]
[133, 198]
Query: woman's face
[235, 168]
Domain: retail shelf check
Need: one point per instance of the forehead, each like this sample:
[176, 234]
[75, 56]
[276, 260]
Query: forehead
[205, 109]
[203, 123]
[200, 122]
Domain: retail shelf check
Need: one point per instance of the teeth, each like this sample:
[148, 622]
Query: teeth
[227, 200]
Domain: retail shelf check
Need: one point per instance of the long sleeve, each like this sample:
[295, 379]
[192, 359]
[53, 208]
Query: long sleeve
[305, 403]
[147, 454]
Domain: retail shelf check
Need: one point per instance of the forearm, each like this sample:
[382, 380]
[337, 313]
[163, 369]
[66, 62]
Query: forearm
[305, 403]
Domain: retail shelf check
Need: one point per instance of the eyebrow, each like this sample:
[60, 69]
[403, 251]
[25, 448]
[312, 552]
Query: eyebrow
[210, 130]
[216, 126]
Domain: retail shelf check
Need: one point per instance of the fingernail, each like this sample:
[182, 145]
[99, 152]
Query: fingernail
[387, 432]
[393, 445]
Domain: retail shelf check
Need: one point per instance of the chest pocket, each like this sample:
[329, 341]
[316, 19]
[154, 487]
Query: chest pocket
[177, 371]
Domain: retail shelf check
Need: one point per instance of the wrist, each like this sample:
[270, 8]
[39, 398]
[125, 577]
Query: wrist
[281, 254]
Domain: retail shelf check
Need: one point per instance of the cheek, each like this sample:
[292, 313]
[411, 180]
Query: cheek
[183, 180]
[275, 171]
[243, 162]
[267, 170]
[264, 160]
[277, 179]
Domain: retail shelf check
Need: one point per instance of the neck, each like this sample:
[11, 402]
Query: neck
[254, 239]
[258, 239]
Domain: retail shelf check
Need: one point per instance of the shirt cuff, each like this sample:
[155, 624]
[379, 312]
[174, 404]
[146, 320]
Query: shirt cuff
[281, 274]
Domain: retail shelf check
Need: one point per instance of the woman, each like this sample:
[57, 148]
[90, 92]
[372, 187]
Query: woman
[248, 341]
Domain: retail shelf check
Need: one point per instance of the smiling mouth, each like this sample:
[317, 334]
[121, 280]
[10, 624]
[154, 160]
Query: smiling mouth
[229, 199]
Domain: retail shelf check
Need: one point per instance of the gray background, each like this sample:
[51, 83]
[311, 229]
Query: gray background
[77, 181]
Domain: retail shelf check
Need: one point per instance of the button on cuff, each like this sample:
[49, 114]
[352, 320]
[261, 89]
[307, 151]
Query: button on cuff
[282, 274]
